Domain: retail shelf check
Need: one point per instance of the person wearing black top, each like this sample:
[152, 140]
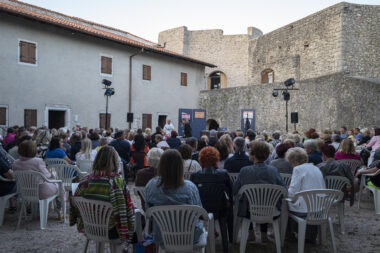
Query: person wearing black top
[186, 129]
[153, 136]
[122, 146]
[240, 159]
[173, 141]
[76, 145]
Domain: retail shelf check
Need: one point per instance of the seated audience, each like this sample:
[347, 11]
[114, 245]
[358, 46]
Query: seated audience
[358, 134]
[10, 137]
[86, 152]
[121, 146]
[94, 137]
[258, 173]
[173, 141]
[366, 136]
[144, 175]
[158, 131]
[314, 156]
[76, 144]
[193, 142]
[160, 142]
[189, 165]
[305, 176]
[240, 159]
[55, 150]
[65, 142]
[275, 139]
[215, 189]
[225, 147]
[139, 151]
[13, 152]
[106, 185]
[102, 142]
[202, 143]
[213, 138]
[6, 172]
[282, 165]
[374, 143]
[347, 151]
[335, 141]
[373, 168]
[170, 188]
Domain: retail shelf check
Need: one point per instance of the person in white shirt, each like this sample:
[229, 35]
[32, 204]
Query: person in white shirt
[86, 152]
[305, 177]
[169, 127]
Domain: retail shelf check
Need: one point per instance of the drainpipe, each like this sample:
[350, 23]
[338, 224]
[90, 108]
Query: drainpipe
[130, 82]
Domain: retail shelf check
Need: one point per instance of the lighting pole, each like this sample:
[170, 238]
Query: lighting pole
[108, 93]
[289, 86]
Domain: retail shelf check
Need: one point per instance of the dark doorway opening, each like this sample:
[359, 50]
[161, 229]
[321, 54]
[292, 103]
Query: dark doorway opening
[212, 124]
[162, 120]
[56, 119]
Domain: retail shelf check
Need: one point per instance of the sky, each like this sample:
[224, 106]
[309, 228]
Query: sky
[146, 18]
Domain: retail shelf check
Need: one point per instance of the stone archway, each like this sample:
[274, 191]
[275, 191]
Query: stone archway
[217, 80]
[212, 124]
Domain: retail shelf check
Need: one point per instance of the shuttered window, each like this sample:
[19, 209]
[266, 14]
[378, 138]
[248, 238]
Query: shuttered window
[27, 52]
[102, 120]
[147, 72]
[106, 65]
[3, 116]
[184, 79]
[146, 121]
[30, 117]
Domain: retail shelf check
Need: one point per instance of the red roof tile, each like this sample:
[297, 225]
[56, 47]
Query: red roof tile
[50, 19]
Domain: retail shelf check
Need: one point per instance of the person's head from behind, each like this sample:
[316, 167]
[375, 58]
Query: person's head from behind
[239, 133]
[213, 133]
[347, 147]
[223, 150]
[310, 146]
[10, 130]
[139, 143]
[158, 138]
[259, 151]
[201, 144]
[185, 150]
[208, 157]
[336, 138]
[158, 129]
[193, 142]
[376, 132]
[366, 132]
[170, 170]
[103, 141]
[205, 139]
[106, 161]
[27, 148]
[154, 156]
[55, 143]
[86, 147]
[328, 152]
[24, 138]
[148, 131]
[173, 134]
[119, 135]
[251, 134]
[239, 145]
[281, 149]
[276, 136]
[296, 156]
[94, 136]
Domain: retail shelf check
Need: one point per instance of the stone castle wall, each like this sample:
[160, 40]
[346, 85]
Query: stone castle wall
[326, 102]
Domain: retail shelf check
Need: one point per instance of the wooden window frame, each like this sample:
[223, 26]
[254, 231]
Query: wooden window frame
[147, 72]
[101, 65]
[35, 64]
[183, 79]
[6, 114]
[265, 76]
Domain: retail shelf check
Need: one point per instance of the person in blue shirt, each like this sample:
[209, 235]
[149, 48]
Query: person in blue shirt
[358, 134]
[315, 157]
[343, 132]
[55, 149]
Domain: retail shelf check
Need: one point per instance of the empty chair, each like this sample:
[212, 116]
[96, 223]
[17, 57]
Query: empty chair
[28, 187]
[287, 178]
[375, 191]
[95, 216]
[263, 200]
[338, 183]
[177, 223]
[4, 200]
[318, 204]
[85, 165]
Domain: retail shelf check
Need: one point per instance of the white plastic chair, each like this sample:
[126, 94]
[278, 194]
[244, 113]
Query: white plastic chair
[85, 166]
[376, 192]
[139, 191]
[318, 204]
[176, 224]
[52, 162]
[287, 178]
[354, 164]
[233, 176]
[263, 199]
[338, 183]
[4, 200]
[28, 182]
[66, 173]
[139, 214]
[96, 215]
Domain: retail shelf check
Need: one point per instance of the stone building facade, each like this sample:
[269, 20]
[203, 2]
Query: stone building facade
[333, 54]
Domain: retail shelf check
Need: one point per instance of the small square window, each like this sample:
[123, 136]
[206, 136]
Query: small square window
[184, 79]
[147, 72]
[106, 65]
[27, 52]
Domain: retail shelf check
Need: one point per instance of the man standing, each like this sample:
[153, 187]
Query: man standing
[186, 129]
[169, 127]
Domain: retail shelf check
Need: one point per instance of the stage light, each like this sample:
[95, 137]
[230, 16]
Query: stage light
[106, 82]
[290, 82]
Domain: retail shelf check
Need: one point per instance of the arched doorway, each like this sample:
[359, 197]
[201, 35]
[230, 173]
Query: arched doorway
[212, 124]
[217, 80]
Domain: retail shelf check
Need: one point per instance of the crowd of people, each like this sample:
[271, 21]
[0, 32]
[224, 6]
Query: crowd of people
[159, 161]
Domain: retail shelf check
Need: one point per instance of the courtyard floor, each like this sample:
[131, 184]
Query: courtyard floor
[362, 235]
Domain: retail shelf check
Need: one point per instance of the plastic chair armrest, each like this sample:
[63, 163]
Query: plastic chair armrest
[53, 181]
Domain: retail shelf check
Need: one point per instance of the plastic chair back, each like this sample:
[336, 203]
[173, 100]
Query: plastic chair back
[263, 199]
[337, 182]
[28, 182]
[318, 204]
[233, 176]
[52, 162]
[287, 178]
[354, 164]
[85, 166]
[95, 215]
[177, 225]
[66, 173]
[139, 191]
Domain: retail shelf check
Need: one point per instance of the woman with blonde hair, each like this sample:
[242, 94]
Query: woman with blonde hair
[347, 151]
[86, 152]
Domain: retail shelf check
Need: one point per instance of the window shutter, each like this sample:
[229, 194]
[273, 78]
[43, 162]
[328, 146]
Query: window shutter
[149, 73]
[106, 65]
[146, 72]
[3, 116]
[264, 78]
[184, 79]
[109, 66]
[103, 64]
[23, 52]
[30, 117]
[32, 53]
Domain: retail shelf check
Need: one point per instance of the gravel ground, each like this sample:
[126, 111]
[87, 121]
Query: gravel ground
[362, 235]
